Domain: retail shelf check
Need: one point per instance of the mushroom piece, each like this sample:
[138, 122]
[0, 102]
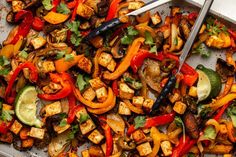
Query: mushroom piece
[191, 125]
[224, 69]
[126, 144]
[159, 39]
[184, 28]
[116, 50]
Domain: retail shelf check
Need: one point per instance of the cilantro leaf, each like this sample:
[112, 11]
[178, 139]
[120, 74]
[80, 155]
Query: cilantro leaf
[210, 132]
[74, 27]
[7, 115]
[148, 38]
[69, 57]
[47, 4]
[60, 54]
[178, 121]
[75, 39]
[132, 31]
[4, 71]
[126, 40]
[74, 130]
[63, 9]
[82, 81]
[23, 54]
[63, 122]
[139, 121]
[83, 117]
[153, 49]
[4, 61]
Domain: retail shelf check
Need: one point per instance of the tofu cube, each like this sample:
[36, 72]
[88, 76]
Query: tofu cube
[179, 107]
[193, 91]
[156, 18]
[135, 5]
[84, 11]
[61, 129]
[85, 153]
[123, 109]
[80, 112]
[125, 91]
[38, 42]
[17, 5]
[138, 135]
[95, 137]
[223, 129]
[144, 149]
[174, 98]
[16, 127]
[37, 133]
[87, 126]
[47, 66]
[112, 65]
[6, 107]
[96, 83]
[89, 94]
[147, 104]
[166, 148]
[104, 59]
[52, 109]
[85, 64]
[101, 94]
[138, 101]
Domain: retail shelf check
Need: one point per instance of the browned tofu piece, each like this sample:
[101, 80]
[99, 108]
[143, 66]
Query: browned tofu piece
[101, 94]
[144, 149]
[166, 148]
[175, 97]
[138, 135]
[180, 107]
[96, 83]
[125, 91]
[87, 126]
[95, 137]
[104, 59]
[53, 108]
[138, 101]
[89, 94]
[85, 153]
[147, 104]
[156, 18]
[85, 64]
[37, 133]
[16, 127]
[123, 109]
[112, 65]
[84, 11]
[80, 112]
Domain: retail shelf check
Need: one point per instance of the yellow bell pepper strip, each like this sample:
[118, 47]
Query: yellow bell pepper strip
[109, 101]
[18, 45]
[124, 65]
[55, 18]
[8, 51]
[62, 65]
[222, 101]
[103, 110]
[133, 108]
[143, 27]
[157, 138]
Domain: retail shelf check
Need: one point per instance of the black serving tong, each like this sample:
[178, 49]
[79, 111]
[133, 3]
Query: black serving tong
[187, 48]
[116, 21]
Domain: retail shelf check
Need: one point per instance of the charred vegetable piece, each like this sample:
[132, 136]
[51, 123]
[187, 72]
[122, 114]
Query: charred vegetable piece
[224, 69]
[191, 125]
[184, 28]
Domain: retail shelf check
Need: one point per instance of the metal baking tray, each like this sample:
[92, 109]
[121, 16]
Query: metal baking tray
[164, 10]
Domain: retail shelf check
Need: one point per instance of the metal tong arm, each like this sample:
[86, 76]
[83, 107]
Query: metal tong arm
[187, 48]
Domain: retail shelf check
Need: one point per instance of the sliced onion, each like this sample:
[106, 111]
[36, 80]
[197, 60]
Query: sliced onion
[116, 123]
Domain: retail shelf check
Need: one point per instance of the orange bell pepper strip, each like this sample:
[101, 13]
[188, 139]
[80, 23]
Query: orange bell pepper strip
[103, 110]
[125, 64]
[108, 102]
[133, 108]
[55, 18]
[231, 131]
[62, 65]
[112, 9]
[96, 65]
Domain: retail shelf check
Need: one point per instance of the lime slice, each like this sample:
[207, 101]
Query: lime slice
[209, 83]
[26, 107]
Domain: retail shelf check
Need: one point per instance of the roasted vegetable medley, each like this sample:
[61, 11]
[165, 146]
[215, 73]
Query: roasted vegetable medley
[59, 91]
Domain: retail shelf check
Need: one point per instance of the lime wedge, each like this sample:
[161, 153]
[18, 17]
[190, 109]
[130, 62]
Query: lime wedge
[209, 83]
[26, 107]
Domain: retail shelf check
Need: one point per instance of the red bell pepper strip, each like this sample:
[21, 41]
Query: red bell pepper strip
[183, 147]
[154, 121]
[33, 78]
[192, 16]
[232, 33]
[38, 24]
[72, 108]
[55, 3]
[137, 60]
[25, 25]
[221, 111]
[61, 78]
[5, 126]
[108, 136]
[115, 88]
[71, 5]
[112, 9]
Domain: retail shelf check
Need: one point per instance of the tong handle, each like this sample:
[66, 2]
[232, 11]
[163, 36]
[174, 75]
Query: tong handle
[165, 91]
[105, 26]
